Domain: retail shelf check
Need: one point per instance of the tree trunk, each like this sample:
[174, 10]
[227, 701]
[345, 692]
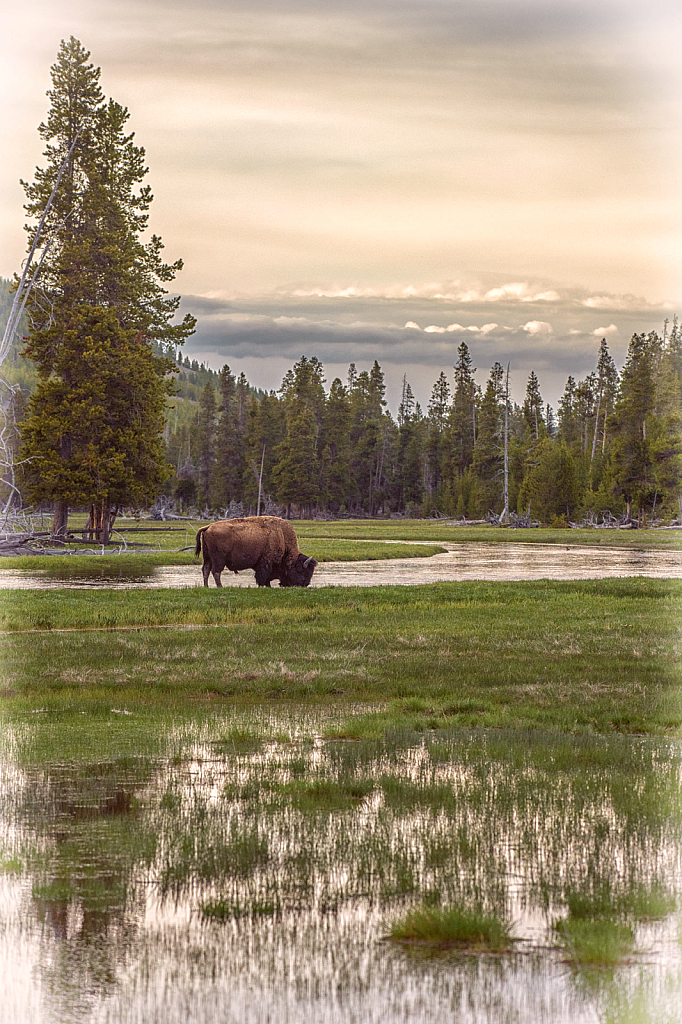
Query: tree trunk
[596, 428]
[504, 518]
[90, 525]
[101, 521]
[60, 520]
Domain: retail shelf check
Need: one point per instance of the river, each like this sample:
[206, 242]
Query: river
[461, 561]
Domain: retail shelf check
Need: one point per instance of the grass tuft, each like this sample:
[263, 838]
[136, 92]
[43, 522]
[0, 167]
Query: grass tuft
[453, 926]
[595, 942]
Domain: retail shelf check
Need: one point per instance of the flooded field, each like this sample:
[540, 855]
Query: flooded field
[246, 869]
[463, 561]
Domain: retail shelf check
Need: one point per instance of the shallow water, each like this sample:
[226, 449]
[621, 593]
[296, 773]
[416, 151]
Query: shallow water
[463, 561]
[115, 856]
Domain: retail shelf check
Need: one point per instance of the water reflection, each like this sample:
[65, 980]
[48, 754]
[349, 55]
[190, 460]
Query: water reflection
[464, 561]
[249, 875]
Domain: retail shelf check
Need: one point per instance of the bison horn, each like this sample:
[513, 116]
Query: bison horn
[307, 562]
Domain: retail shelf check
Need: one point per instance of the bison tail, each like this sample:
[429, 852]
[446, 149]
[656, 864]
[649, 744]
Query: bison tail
[197, 547]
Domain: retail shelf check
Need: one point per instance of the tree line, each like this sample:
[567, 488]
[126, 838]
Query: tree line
[614, 442]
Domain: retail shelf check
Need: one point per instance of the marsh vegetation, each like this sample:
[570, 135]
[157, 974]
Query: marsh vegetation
[230, 850]
[231, 799]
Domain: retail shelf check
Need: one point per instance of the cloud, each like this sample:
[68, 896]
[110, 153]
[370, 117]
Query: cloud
[522, 292]
[537, 327]
[605, 332]
[443, 291]
[621, 302]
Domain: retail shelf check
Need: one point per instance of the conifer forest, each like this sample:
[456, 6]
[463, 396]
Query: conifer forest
[612, 447]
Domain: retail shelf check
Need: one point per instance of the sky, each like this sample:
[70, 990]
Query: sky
[358, 181]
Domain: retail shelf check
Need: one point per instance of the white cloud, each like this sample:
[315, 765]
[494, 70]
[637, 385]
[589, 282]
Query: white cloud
[413, 325]
[602, 332]
[521, 292]
[448, 291]
[537, 327]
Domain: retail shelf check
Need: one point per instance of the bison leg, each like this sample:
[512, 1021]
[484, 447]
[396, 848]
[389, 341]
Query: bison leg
[206, 570]
[216, 577]
[263, 574]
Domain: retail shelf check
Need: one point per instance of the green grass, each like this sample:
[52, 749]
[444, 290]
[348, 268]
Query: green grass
[166, 538]
[422, 530]
[595, 942]
[453, 926]
[131, 563]
[575, 656]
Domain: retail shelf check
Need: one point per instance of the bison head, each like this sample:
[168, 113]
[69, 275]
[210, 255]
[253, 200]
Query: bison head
[300, 573]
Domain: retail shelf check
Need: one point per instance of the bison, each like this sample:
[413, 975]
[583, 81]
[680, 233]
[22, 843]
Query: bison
[266, 544]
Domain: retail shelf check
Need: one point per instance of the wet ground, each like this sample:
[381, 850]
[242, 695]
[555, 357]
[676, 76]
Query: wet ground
[247, 871]
[464, 561]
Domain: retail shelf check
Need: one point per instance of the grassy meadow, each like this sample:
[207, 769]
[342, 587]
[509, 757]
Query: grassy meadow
[596, 655]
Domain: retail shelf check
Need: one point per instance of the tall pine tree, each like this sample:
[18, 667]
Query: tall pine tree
[99, 313]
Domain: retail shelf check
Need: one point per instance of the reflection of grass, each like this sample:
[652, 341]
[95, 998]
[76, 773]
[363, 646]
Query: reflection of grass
[586, 656]
[325, 794]
[453, 926]
[10, 866]
[599, 929]
[595, 942]
[239, 740]
[637, 903]
[226, 910]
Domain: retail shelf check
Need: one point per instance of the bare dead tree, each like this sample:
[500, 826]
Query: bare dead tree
[504, 516]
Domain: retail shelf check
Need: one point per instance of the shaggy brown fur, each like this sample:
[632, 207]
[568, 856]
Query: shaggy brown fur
[266, 544]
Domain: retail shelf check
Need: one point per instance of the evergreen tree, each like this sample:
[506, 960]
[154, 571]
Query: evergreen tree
[95, 432]
[463, 416]
[296, 476]
[229, 443]
[568, 429]
[607, 389]
[206, 442]
[532, 406]
[335, 443]
[265, 428]
[646, 426]
[370, 438]
[489, 451]
[437, 422]
[97, 265]
[551, 488]
[412, 434]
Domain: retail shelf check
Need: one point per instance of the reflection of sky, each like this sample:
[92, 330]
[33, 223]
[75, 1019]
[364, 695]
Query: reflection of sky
[524, 149]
